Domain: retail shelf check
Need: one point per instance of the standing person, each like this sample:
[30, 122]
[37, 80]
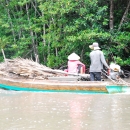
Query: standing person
[97, 61]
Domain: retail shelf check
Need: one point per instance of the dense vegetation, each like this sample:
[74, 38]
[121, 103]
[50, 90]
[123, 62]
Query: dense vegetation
[47, 31]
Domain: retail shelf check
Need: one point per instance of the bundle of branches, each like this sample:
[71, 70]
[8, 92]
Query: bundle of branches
[27, 68]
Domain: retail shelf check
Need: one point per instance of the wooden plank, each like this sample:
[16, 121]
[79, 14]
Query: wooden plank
[65, 78]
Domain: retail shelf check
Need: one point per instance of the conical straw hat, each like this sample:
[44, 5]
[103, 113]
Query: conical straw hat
[73, 56]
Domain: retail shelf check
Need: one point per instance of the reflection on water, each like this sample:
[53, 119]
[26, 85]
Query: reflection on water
[63, 111]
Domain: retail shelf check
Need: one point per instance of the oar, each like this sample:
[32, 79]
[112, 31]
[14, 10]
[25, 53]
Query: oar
[109, 77]
[124, 81]
[120, 79]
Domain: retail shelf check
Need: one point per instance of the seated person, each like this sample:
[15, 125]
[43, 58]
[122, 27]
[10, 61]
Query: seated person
[74, 65]
[115, 71]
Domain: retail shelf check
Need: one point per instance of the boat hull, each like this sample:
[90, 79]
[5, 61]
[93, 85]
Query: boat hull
[75, 86]
[118, 89]
[62, 86]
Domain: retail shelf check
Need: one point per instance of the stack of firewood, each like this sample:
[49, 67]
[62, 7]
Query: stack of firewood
[27, 68]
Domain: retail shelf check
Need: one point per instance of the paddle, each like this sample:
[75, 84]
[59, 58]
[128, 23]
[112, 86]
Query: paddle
[108, 77]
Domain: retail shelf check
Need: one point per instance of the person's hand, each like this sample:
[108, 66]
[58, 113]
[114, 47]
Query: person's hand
[109, 68]
[108, 71]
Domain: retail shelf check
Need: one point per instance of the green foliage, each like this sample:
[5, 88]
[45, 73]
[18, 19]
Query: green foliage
[55, 29]
[54, 61]
[122, 62]
[118, 60]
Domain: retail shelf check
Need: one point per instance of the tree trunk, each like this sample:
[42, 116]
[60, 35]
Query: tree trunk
[111, 15]
[20, 30]
[11, 23]
[44, 40]
[32, 37]
[124, 15]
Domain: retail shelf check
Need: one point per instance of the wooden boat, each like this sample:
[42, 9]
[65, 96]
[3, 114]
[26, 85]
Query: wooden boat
[62, 86]
[26, 75]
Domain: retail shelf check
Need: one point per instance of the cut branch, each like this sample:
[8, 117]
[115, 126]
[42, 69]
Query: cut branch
[124, 16]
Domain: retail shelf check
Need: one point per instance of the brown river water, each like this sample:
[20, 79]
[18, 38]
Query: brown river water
[63, 111]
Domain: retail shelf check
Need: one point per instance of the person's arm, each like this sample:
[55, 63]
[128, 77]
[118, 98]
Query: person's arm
[80, 63]
[82, 68]
[104, 61]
